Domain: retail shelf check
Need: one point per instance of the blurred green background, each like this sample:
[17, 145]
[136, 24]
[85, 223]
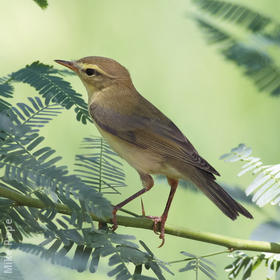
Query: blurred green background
[171, 65]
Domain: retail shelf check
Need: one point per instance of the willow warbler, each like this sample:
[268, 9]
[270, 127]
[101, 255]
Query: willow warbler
[145, 137]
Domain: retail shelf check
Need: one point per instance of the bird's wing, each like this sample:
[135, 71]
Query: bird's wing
[153, 131]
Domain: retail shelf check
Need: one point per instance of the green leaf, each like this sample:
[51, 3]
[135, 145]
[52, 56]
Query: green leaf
[99, 167]
[77, 262]
[142, 277]
[207, 270]
[95, 260]
[243, 265]
[46, 80]
[42, 3]
[37, 167]
[248, 270]
[132, 254]
[251, 51]
[42, 253]
[191, 265]
[155, 264]
[235, 13]
[266, 185]
[197, 264]
[35, 116]
[6, 91]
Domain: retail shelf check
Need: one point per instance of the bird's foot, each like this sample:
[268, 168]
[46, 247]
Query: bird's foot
[154, 218]
[157, 220]
[114, 219]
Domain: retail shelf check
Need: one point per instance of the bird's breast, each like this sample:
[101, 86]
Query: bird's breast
[143, 160]
[138, 158]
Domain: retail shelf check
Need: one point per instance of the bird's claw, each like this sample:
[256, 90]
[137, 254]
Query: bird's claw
[162, 237]
[114, 219]
[154, 218]
[157, 220]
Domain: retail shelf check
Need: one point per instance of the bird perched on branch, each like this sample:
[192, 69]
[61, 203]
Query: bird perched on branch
[145, 137]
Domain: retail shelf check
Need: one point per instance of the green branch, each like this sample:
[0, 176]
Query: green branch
[140, 222]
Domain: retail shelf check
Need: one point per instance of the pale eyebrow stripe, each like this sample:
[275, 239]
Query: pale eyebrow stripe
[84, 66]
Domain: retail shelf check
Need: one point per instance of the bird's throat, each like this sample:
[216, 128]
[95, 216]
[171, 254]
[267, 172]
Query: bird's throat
[92, 91]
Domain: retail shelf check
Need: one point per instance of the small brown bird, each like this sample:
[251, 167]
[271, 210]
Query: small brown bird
[145, 137]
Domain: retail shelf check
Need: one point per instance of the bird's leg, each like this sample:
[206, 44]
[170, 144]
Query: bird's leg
[147, 182]
[173, 187]
[173, 184]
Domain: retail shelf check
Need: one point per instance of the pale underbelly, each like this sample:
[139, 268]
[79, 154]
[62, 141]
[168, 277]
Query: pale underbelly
[142, 160]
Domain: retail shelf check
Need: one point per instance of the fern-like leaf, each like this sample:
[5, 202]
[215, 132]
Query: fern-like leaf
[26, 161]
[156, 264]
[89, 247]
[42, 253]
[34, 115]
[244, 265]
[266, 185]
[100, 167]
[196, 264]
[251, 52]
[16, 222]
[235, 13]
[46, 80]
[6, 91]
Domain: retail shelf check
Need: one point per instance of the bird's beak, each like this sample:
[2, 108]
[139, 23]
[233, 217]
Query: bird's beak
[70, 64]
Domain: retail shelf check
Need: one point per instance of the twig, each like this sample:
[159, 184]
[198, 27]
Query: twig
[144, 223]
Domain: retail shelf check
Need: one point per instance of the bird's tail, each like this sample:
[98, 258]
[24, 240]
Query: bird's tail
[206, 183]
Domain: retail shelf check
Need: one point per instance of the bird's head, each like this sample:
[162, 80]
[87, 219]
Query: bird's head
[98, 72]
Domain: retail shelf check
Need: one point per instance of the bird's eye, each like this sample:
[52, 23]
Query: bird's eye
[91, 72]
